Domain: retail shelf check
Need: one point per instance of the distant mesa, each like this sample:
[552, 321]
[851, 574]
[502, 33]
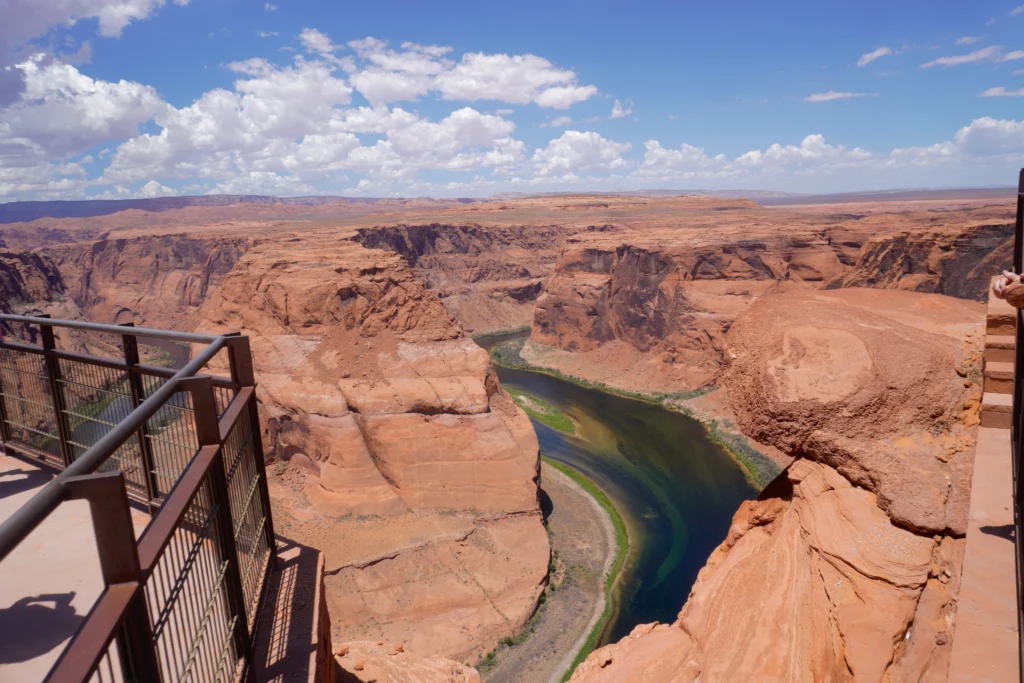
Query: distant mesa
[18, 212]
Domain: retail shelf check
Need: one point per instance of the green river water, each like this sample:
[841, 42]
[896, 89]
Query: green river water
[676, 490]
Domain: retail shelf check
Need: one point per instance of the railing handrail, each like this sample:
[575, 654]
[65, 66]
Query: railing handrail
[189, 337]
[29, 516]
[221, 475]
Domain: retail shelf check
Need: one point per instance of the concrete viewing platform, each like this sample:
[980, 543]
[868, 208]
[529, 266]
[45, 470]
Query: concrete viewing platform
[985, 637]
[52, 579]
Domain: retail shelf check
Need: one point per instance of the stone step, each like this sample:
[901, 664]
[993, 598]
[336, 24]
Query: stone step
[995, 420]
[1000, 348]
[1001, 325]
[998, 378]
[996, 410]
[1001, 318]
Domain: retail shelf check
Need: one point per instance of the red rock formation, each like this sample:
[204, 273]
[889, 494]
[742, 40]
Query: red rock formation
[646, 307]
[847, 567]
[956, 263]
[379, 662]
[382, 407]
[487, 277]
[157, 281]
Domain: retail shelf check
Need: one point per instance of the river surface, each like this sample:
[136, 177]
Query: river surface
[676, 490]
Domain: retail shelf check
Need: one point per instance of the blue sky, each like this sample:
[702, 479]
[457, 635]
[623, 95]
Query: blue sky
[122, 98]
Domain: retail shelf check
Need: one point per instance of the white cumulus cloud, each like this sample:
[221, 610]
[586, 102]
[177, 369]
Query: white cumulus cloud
[62, 112]
[1002, 92]
[580, 151]
[618, 112]
[515, 79]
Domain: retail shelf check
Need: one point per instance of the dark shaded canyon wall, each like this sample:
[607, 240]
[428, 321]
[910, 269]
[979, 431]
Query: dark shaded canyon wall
[487, 277]
[157, 281]
[959, 264]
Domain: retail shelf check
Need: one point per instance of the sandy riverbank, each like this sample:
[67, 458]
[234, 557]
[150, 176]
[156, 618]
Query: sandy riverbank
[583, 541]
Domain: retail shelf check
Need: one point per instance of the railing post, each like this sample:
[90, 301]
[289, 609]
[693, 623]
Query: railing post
[204, 407]
[119, 564]
[242, 374]
[130, 346]
[53, 374]
[5, 429]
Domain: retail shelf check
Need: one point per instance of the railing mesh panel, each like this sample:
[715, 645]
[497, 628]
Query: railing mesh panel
[247, 513]
[96, 399]
[194, 626]
[171, 434]
[29, 414]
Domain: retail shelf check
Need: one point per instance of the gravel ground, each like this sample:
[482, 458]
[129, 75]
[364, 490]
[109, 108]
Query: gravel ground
[582, 539]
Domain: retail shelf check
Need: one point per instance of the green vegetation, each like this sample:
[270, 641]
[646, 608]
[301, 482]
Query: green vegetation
[491, 658]
[621, 550]
[502, 333]
[760, 468]
[89, 409]
[542, 411]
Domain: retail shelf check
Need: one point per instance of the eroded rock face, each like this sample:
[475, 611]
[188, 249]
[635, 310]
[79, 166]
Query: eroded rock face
[487, 277]
[160, 281]
[647, 307]
[871, 383]
[666, 298]
[847, 567]
[384, 414]
[956, 263]
[379, 662]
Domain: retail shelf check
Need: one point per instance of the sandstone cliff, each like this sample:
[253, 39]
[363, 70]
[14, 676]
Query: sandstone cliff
[487, 277]
[655, 306]
[380, 662]
[395, 451]
[847, 566]
[646, 308]
[385, 416]
[31, 284]
[159, 280]
[958, 263]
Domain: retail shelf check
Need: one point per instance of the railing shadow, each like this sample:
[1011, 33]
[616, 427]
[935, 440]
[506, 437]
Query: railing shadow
[1005, 531]
[286, 643]
[31, 628]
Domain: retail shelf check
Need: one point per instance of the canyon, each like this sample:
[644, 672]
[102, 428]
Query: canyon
[845, 336]
[847, 567]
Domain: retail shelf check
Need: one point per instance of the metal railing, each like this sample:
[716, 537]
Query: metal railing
[181, 603]
[1017, 426]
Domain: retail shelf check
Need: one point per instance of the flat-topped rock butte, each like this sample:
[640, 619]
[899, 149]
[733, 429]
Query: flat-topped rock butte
[846, 336]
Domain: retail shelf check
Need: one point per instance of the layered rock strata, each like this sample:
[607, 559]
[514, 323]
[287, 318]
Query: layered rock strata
[380, 662]
[160, 280]
[487, 277]
[648, 309]
[847, 567]
[384, 416]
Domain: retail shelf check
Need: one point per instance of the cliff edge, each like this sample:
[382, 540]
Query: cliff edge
[847, 567]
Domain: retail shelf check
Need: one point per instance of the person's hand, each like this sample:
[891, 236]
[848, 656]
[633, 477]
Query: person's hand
[1000, 285]
[1010, 288]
